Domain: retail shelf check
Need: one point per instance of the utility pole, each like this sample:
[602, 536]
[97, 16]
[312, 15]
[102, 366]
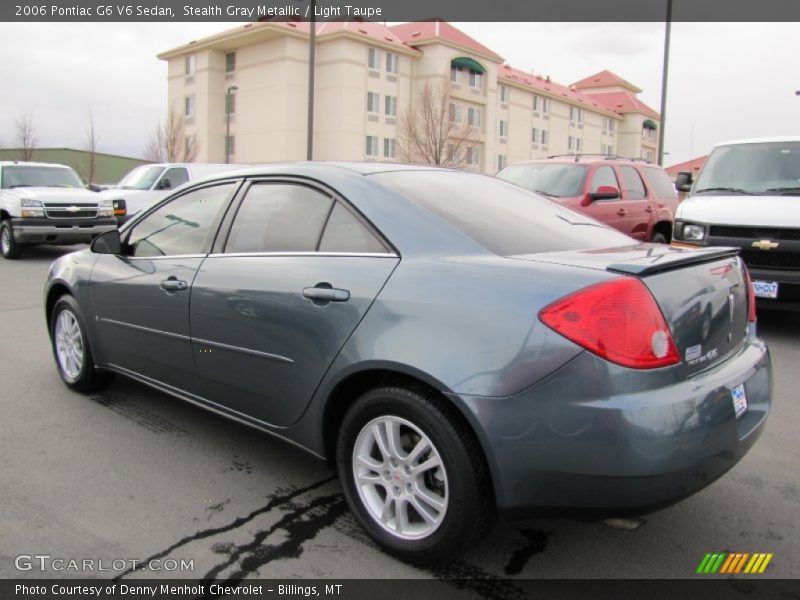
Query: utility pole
[312, 48]
[664, 78]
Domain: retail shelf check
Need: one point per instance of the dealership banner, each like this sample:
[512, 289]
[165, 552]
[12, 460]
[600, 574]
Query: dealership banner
[394, 10]
[751, 588]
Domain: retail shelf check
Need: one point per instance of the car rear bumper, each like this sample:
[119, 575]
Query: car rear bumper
[594, 436]
[61, 231]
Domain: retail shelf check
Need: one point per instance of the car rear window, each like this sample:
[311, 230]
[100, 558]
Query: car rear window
[504, 218]
[660, 182]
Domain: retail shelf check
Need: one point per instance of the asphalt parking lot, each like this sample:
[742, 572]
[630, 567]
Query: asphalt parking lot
[134, 474]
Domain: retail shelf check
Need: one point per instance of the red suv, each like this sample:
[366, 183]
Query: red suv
[630, 195]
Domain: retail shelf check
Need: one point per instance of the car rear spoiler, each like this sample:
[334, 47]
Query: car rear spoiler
[648, 265]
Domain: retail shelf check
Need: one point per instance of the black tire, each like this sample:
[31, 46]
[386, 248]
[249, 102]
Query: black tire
[470, 508]
[87, 378]
[9, 247]
[658, 238]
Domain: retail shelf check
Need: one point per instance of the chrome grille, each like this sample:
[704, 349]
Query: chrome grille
[71, 211]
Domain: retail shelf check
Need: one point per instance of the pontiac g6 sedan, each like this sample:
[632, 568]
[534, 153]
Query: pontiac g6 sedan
[452, 343]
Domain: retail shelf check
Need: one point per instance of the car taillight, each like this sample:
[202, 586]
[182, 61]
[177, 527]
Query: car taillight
[618, 320]
[751, 295]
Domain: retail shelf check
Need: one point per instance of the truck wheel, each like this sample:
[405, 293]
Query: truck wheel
[8, 245]
[413, 476]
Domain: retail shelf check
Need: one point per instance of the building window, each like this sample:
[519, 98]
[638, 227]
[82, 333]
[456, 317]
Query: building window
[452, 157]
[475, 80]
[610, 150]
[648, 155]
[372, 145]
[454, 112]
[473, 155]
[541, 104]
[545, 137]
[503, 129]
[230, 62]
[373, 102]
[373, 59]
[534, 136]
[189, 65]
[390, 106]
[391, 62]
[505, 94]
[502, 161]
[230, 102]
[545, 105]
[388, 148]
[608, 125]
[455, 74]
[578, 144]
[474, 117]
[570, 143]
[575, 114]
[189, 107]
[230, 150]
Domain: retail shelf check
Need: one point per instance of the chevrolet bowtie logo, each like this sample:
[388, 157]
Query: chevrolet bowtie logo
[765, 245]
[72, 209]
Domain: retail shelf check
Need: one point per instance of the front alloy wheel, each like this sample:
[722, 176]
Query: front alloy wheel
[69, 345]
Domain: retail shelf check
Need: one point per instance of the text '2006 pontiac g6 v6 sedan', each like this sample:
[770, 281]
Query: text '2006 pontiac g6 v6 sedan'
[454, 344]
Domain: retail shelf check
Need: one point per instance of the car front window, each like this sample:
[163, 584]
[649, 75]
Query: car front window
[141, 178]
[18, 176]
[759, 168]
[553, 179]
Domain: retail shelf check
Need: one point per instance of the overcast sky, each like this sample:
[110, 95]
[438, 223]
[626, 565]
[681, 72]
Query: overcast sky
[727, 80]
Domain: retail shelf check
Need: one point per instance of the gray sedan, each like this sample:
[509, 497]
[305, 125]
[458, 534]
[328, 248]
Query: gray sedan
[453, 344]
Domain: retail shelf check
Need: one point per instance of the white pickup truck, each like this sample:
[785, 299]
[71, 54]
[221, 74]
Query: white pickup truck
[48, 204]
[747, 195]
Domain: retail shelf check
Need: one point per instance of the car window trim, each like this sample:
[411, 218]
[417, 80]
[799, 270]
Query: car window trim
[304, 253]
[208, 245]
[222, 237]
[626, 189]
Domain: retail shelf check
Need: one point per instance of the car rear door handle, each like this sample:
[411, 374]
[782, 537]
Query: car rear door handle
[173, 284]
[650, 208]
[622, 212]
[326, 294]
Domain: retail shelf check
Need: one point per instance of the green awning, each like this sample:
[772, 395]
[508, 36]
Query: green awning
[468, 63]
[649, 124]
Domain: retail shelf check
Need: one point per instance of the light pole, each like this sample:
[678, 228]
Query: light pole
[664, 78]
[228, 94]
[312, 48]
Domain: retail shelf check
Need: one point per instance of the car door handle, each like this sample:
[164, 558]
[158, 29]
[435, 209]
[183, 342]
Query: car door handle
[326, 294]
[622, 212]
[649, 209]
[173, 284]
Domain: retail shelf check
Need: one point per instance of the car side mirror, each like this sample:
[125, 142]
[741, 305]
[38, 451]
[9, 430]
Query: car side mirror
[605, 192]
[683, 181]
[164, 184]
[107, 243]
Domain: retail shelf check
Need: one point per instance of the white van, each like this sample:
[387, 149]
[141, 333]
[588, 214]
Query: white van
[147, 184]
[747, 196]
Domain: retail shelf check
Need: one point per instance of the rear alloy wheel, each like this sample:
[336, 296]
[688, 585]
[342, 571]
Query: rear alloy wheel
[9, 247]
[71, 349]
[413, 476]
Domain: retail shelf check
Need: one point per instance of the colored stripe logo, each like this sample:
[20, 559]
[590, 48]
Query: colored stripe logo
[734, 562]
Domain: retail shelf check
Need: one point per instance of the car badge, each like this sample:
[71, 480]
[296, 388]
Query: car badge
[72, 209]
[765, 245]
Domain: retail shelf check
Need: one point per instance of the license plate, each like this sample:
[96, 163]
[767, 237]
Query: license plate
[739, 400]
[765, 289]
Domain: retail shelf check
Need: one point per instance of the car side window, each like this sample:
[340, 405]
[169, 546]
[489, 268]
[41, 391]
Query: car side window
[176, 176]
[633, 184]
[184, 225]
[660, 182]
[345, 233]
[277, 217]
[604, 175]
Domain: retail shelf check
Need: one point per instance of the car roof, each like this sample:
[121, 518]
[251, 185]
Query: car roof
[301, 167]
[763, 140]
[23, 163]
[587, 159]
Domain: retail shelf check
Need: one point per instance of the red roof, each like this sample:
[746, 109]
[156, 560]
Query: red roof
[544, 84]
[606, 78]
[692, 166]
[624, 102]
[368, 29]
[424, 31]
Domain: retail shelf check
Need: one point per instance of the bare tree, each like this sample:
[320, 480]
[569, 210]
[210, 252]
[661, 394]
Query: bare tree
[432, 130]
[169, 142]
[25, 139]
[89, 168]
